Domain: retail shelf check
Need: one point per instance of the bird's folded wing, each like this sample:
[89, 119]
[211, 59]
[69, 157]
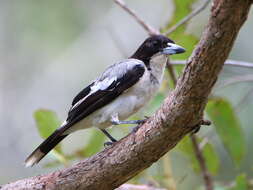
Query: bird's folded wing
[113, 82]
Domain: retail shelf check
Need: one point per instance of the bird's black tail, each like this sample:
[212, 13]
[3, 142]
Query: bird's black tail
[45, 147]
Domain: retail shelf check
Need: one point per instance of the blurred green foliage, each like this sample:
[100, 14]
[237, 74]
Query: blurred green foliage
[188, 41]
[228, 127]
[59, 22]
[47, 122]
[241, 183]
[95, 144]
[209, 153]
[219, 110]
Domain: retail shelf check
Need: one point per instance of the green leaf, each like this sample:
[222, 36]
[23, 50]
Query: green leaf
[209, 153]
[188, 41]
[211, 158]
[182, 8]
[59, 158]
[241, 183]
[96, 142]
[47, 122]
[228, 128]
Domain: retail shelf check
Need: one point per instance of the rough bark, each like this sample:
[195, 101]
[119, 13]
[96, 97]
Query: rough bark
[178, 115]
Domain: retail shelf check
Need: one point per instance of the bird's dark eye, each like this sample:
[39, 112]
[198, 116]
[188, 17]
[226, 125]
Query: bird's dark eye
[155, 43]
[166, 45]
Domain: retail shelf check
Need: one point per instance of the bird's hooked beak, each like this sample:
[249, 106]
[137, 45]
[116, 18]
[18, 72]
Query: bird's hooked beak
[173, 49]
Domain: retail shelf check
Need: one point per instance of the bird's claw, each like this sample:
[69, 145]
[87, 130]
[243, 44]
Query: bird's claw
[108, 144]
[135, 129]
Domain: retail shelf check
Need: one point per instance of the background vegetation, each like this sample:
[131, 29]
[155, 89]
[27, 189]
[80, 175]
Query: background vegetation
[51, 50]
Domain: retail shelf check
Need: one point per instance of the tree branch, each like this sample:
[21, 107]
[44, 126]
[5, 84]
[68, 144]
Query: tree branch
[144, 24]
[198, 153]
[202, 163]
[178, 115]
[228, 62]
[171, 72]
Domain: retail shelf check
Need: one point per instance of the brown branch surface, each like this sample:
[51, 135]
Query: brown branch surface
[182, 110]
[228, 62]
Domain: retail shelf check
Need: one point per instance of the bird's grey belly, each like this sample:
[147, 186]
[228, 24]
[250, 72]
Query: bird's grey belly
[123, 106]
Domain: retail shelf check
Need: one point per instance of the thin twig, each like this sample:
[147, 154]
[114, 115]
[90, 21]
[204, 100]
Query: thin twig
[118, 43]
[203, 143]
[188, 17]
[170, 182]
[171, 72]
[242, 102]
[151, 30]
[228, 62]
[206, 175]
[235, 80]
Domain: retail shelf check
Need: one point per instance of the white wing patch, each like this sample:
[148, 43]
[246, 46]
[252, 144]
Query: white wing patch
[102, 85]
[98, 85]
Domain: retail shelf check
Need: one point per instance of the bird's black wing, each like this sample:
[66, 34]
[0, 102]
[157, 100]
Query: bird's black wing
[113, 82]
[107, 88]
[82, 94]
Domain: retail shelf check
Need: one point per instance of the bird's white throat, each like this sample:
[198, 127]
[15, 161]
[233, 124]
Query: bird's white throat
[157, 65]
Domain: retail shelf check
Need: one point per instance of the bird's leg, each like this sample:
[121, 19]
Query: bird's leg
[115, 121]
[113, 140]
[128, 122]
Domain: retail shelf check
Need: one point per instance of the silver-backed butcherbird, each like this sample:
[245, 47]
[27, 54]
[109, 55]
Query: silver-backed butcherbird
[119, 92]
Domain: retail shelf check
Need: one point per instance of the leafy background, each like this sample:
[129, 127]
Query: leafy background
[51, 50]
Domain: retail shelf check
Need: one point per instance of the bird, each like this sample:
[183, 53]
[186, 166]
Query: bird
[119, 92]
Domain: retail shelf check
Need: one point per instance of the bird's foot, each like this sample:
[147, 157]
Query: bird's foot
[116, 121]
[108, 144]
[143, 120]
[136, 128]
[113, 140]
[128, 122]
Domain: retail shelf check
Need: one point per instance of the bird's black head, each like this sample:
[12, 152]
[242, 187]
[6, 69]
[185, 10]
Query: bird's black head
[154, 45]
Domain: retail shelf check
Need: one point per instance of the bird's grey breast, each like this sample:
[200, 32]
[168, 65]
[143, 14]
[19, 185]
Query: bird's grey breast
[144, 90]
